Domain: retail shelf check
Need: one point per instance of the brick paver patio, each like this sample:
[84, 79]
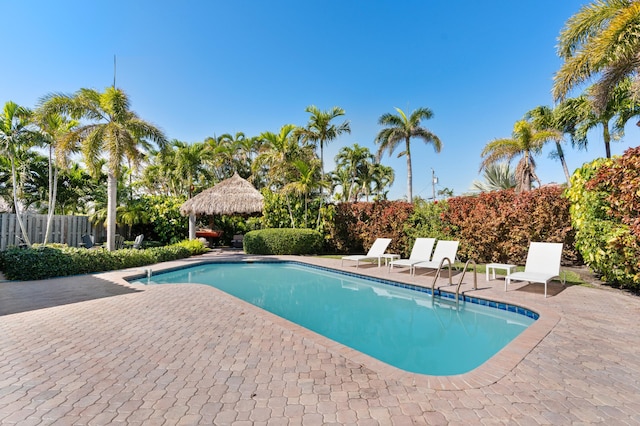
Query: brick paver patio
[190, 354]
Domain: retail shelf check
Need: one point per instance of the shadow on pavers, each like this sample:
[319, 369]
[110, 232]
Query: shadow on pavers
[23, 296]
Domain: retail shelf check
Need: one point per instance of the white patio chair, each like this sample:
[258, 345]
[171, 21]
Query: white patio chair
[421, 252]
[444, 250]
[137, 243]
[542, 266]
[375, 252]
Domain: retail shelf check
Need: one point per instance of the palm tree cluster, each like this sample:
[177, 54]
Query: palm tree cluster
[602, 40]
[134, 157]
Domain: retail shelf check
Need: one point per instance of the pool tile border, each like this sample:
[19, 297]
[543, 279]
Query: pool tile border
[488, 373]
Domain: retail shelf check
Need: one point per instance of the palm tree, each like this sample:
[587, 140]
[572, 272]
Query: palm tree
[382, 178]
[279, 151]
[221, 156]
[307, 179]
[189, 163]
[16, 136]
[53, 129]
[159, 175]
[525, 141]
[319, 130]
[400, 128]
[545, 118]
[340, 178]
[243, 150]
[612, 115]
[113, 129]
[497, 177]
[603, 38]
[356, 160]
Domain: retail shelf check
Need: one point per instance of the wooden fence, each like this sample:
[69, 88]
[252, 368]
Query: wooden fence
[64, 229]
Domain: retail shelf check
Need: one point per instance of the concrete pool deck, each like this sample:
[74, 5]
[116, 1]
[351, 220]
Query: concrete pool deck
[96, 350]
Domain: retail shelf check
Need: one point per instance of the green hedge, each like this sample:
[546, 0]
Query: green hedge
[283, 241]
[47, 262]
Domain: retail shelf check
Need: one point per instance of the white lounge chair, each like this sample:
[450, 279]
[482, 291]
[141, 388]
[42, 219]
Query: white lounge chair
[543, 265]
[375, 252]
[421, 252]
[444, 250]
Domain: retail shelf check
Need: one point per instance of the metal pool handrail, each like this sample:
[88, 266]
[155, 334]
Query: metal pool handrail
[475, 276]
[433, 285]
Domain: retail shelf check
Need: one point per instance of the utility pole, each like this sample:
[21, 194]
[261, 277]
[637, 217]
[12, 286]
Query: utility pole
[434, 180]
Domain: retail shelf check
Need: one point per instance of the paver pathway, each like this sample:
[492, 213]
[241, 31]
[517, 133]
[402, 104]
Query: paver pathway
[189, 354]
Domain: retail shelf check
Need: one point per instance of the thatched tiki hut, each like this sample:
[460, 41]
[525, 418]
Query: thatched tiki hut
[231, 196]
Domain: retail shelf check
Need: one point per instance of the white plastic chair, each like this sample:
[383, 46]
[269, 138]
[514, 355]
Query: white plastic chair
[421, 252]
[542, 266]
[444, 250]
[375, 252]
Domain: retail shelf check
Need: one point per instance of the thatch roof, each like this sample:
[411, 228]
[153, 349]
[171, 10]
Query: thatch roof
[231, 196]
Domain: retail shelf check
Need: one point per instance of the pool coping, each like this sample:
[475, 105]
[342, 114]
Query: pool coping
[490, 372]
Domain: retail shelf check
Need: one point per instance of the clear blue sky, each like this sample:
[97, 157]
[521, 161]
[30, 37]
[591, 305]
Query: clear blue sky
[203, 68]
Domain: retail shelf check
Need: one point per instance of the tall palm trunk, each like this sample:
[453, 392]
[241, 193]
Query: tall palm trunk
[14, 182]
[112, 198]
[606, 135]
[564, 164]
[293, 222]
[409, 175]
[53, 191]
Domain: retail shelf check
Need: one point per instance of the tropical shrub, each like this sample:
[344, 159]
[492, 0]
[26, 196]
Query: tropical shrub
[165, 223]
[356, 225]
[47, 262]
[282, 211]
[498, 226]
[604, 210]
[283, 241]
[426, 222]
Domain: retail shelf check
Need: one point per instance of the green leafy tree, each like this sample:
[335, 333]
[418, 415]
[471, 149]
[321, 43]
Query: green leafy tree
[400, 128]
[525, 141]
[113, 129]
[602, 39]
[76, 190]
[33, 174]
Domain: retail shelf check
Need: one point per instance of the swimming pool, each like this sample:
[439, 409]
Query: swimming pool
[389, 321]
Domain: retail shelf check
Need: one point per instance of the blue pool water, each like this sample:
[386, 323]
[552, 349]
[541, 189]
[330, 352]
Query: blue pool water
[400, 326]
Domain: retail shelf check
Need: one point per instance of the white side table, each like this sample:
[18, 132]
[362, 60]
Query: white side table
[388, 257]
[491, 267]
